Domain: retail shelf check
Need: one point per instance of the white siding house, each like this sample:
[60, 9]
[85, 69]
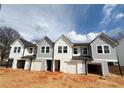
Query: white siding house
[22, 52]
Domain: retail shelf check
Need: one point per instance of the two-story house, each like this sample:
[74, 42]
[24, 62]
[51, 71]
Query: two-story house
[65, 56]
[22, 53]
[44, 55]
[82, 58]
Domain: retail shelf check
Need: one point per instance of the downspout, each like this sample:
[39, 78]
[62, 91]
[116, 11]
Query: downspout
[23, 51]
[119, 63]
[53, 58]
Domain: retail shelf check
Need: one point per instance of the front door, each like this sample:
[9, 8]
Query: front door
[49, 65]
[57, 65]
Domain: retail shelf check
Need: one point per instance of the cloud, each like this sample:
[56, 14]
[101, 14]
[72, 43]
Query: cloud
[119, 15]
[107, 13]
[74, 37]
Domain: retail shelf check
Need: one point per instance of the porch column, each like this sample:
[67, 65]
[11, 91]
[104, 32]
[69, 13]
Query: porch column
[27, 64]
[14, 64]
[53, 65]
[105, 70]
[62, 65]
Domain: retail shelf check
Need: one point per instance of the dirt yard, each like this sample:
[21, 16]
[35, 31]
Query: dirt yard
[28, 79]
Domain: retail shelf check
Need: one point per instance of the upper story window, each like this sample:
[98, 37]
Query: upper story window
[103, 49]
[99, 49]
[59, 49]
[106, 49]
[19, 49]
[42, 49]
[30, 50]
[85, 51]
[65, 50]
[75, 50]
[15, 49]
[47, 49]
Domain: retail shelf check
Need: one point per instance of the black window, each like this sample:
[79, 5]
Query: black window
[75, 50]
[59, 49]
[106, 49]
[64, 49]
[15, 49]
[99, 49]
[42, 49]
[30, 50]
[19, 49]
[84, 50]
[47, 49]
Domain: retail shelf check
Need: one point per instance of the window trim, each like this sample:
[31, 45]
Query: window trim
[46, 49]
[87, 50]
[18, 51]
[77, 50]
[29, 50]
[63, 49]
[103, 49]
[42, 49]
[15, 50]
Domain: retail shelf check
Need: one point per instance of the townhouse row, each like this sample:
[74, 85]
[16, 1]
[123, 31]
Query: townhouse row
[64, 55]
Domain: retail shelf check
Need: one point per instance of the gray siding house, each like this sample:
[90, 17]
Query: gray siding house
[44, 55]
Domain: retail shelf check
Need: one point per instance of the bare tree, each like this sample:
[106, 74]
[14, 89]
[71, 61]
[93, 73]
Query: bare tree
[7, 36]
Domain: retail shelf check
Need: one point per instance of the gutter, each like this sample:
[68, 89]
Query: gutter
[52, 57]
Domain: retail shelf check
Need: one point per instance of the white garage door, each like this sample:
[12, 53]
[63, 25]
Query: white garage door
[71, 68]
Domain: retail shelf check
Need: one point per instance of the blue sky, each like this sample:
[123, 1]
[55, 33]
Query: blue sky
[80, 23]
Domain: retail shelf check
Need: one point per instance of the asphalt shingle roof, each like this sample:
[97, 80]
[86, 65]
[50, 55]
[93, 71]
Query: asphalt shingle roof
[27, 43]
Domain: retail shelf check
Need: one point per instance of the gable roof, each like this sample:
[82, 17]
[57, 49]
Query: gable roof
[65, 39]
[106, 36]
[25, 42]
[47, 39]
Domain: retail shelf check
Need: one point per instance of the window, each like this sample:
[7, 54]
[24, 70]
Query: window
[19, 49]
[15, 49]
[30, 50]
[99, 49]
[59, 49]
[84, 50]
[47, 49]
[64, 49]
[106, 49]
[42, 49]
[75, 51]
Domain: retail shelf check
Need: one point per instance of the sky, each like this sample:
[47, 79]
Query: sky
[80, 23]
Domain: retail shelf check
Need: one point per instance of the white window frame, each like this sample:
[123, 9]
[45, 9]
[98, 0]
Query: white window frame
[73, 50]
[63, 49]
[41, 49]
[46, 49]
[103, 49]
[87, 50]
[31, 51]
